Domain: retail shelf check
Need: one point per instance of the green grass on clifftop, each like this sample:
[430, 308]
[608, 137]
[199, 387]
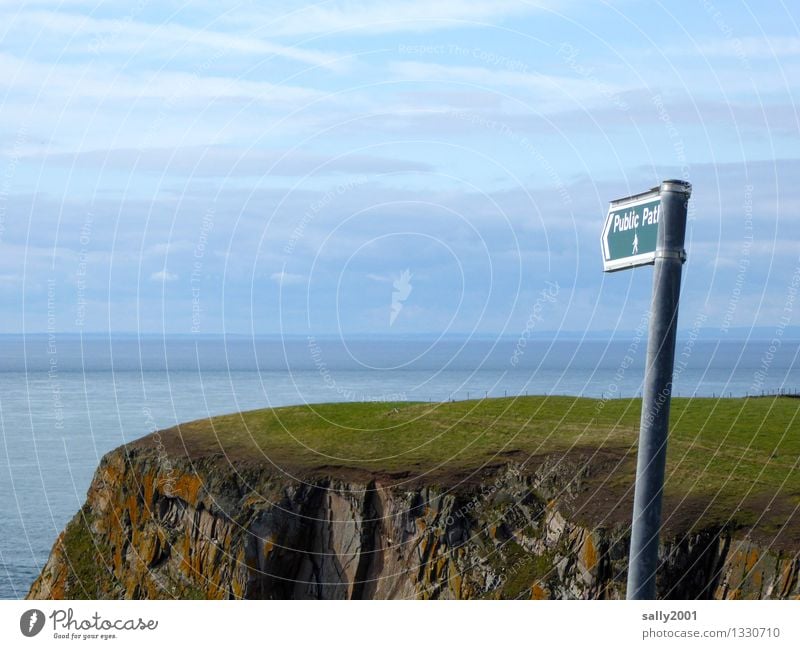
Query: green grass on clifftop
[730, 447]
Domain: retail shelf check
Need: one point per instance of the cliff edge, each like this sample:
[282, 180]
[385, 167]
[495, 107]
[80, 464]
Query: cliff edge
[522, 498]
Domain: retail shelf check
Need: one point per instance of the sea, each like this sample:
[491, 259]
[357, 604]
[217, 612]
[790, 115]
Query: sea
[67, 399]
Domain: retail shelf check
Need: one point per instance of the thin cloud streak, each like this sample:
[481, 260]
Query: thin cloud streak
[384, 16]
[89, 35]
[229, 161]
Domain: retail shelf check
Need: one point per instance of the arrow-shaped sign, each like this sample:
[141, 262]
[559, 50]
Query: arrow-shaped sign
[630, 231]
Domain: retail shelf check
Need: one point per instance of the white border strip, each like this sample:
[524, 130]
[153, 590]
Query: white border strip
[331, 625]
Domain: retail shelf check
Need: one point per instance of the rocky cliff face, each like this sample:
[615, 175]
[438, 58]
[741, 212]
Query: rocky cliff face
[155, 526]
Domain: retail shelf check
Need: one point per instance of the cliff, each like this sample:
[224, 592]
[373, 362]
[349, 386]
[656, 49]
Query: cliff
[191, 513]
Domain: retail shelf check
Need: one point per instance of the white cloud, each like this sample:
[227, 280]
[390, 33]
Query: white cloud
[284, 278]
[772, 47]
[11, 281]
[171, 247]
[90, 101]
[227, 161]
[163, 276]
[101, 36]
[382, 16]
[72, 82]
[549, 87]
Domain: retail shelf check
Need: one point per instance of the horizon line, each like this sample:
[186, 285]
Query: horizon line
[754, 333]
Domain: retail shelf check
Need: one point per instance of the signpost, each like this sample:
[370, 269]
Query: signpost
[630, 231]
[650, 228]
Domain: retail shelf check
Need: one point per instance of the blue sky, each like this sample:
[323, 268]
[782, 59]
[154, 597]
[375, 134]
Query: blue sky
[197, 168]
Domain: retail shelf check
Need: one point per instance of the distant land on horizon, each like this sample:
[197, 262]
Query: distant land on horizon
[706, 334]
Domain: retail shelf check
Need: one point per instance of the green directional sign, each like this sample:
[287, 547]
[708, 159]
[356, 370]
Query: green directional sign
[630, 231]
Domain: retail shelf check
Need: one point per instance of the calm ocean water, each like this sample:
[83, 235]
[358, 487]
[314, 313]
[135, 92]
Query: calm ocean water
[65, 401]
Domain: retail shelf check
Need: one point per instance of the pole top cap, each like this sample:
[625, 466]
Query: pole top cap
[679, 186]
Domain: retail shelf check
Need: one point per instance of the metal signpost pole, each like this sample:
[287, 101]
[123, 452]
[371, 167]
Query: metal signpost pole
[669, 258]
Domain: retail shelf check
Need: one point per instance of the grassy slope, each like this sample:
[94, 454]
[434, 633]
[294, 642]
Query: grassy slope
[727, 457]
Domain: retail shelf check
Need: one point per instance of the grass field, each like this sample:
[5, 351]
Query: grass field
[727, 457]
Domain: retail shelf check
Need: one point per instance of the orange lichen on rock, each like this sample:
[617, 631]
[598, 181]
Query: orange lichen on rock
[590, 557]
[187, 486]
[752, 560]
